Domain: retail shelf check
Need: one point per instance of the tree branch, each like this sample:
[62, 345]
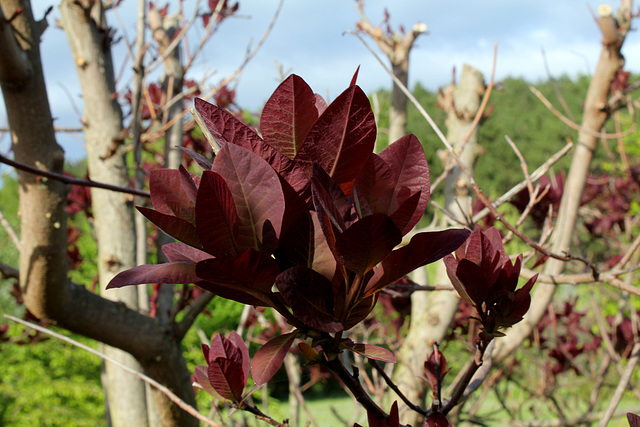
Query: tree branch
[71, 180]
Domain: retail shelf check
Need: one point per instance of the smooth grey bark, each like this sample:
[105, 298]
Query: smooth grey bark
[114, 228]
[433, 312]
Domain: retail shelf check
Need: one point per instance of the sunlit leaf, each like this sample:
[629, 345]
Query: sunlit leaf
[288, 115]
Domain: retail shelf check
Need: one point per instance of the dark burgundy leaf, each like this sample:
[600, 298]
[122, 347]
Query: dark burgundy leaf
[221, 347]
[374, 186]
[437, 419]
[424, 248]
[321, 104]
[252, 271]
[360, 311]
[201, 160]
[172, 193]
[227, 378]
[224, 126]
[288, 115]
[216, 218]
[354, 79]
[179, 252]
[269, 357]
[342, 138]
[246, 361]
[366, 242]
[172, 273]
[333, 193]
[407, 161]
[235, 294]
[634, 420]
[175, 227]
[256, 191]
[309, 294]
[404, 214]
[202, 377]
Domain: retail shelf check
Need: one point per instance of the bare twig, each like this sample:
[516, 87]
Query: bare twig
[71, 180]
[190, 409]
[395, 388]
[576, 126]
[622, 385]
[10, 231]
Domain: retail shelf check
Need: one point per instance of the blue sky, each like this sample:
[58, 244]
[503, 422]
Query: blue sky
[308, 40]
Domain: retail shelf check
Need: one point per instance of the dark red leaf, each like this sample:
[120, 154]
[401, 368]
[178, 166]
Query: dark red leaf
[201, 160]
[366, 242]
[437, 419]
[246, 360]
[288, 115]
[634, 420]
[424, 248]
[256, 191]
[217, 222]
[360, 311]
[407, 161]
[269, 357]
[310, 296]
[374, 186]
[202, 377]
[227, 378]
[172, 193]
[175, 227]
[321, 104]
[354, 79]
[342, 138]
[172, 273]
[371, 351]
[224, 126]
[222, 347]
[179, 252]
[252, 271]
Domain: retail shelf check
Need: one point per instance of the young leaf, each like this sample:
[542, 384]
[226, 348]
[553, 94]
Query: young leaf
[239, 343]
[227, 378]
[371, 351]
[354, 79]
[408, 163]
[424, 248]
[222, 347]
[173, 226]
[216, 218]
[288, 115]
[634, 420]
[342, 138]
[202, 377]
[309, 295]
[256, 191]
[270, 356]
[366, 242]
[172, 272]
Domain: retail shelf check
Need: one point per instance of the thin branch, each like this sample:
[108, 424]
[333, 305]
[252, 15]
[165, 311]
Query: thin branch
[181, 403]
[622, 385]
[194, 310]
[395, 388]
[71, 180]
[9, 272]
[10, 231]
[576, 126]
[467, 173]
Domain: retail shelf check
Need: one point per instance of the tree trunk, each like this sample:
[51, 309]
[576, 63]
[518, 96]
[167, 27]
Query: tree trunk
[398, 112]
[113, 212]
[433, 312]
[43, 219]
[596, 114]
